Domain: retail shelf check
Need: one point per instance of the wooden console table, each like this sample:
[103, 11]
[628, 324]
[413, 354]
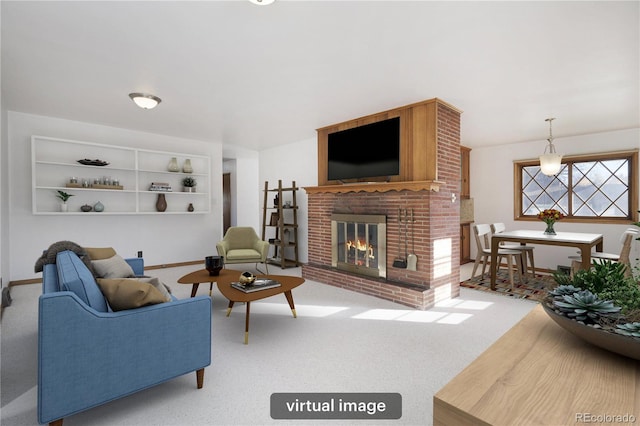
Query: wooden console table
[538, 373]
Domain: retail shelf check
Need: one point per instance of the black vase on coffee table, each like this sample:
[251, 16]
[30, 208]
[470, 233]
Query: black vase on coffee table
[214, 264]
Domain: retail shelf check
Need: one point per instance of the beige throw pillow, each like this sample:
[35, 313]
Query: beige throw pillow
[129, 293]
[113, 267]
[162, 287]
[98, 253]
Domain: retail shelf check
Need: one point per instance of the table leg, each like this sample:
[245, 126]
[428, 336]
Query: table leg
[210, 288]
[494, 260]
[229, 308]
[585, 253]
[246, 325]
[289, 297]
[194, 289]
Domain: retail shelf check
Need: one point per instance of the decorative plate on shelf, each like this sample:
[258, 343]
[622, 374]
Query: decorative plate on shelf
[95, 162]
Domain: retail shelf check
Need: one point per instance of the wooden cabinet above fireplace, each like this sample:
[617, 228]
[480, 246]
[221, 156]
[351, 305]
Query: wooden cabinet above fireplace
[421, 128]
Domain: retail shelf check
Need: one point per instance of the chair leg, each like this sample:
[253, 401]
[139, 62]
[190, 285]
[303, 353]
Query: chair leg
[266, 266]
[575, 267]
[484, 265]
[200, 378]
[510, 268]
[475, 265]
[56, 422]
[521, 267]
[533, 265]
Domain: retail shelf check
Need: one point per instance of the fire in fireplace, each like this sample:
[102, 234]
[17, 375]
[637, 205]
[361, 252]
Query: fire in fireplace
[358, 243]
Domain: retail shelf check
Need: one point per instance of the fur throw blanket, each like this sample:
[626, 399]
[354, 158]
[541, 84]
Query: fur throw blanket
[49, 255]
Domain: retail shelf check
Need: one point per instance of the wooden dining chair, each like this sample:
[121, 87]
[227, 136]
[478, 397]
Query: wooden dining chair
[626, 239]
[527, 251]
[482, 233]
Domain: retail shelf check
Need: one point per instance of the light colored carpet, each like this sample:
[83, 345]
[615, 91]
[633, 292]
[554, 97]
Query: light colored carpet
[341, 342]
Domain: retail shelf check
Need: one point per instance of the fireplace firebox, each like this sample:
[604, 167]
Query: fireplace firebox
[359, 243]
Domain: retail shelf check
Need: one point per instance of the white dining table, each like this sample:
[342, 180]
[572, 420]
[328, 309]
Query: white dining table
[583, 241]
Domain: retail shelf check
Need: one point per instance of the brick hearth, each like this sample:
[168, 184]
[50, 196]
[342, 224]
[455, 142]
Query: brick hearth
[436, 227]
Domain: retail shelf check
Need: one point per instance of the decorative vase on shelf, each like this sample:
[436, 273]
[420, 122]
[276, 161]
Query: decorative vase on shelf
[190, 208]
[98, 207]
[173, 165]
[161, 204]
[186, 167]
[64, 207]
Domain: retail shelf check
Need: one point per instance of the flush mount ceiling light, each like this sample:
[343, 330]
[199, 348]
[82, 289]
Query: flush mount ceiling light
[144, 100]
[262, 2]
[550, 163]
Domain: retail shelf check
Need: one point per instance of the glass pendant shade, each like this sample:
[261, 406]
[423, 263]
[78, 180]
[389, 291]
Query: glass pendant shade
[144, 100]
[550, 164]
[262, 2]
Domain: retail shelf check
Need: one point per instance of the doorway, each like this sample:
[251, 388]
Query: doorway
[226, 202]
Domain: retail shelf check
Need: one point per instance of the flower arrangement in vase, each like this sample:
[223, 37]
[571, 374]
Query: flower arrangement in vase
[550, 216]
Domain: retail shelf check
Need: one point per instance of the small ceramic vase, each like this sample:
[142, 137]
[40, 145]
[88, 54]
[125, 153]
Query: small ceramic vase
[98, 207]
[173, 165]
[190, 208]
[186, 167]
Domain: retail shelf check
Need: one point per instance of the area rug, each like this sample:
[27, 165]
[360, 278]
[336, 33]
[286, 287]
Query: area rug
[533, 288]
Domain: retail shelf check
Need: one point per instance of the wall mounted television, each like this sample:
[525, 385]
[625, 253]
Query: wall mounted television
[368, 151]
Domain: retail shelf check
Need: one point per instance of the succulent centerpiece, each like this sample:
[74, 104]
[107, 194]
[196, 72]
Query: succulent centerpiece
[600, 305]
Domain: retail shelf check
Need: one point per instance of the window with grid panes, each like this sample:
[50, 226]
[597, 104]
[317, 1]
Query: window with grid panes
[593, 188]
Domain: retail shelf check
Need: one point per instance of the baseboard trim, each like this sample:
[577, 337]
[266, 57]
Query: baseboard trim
[175, 265]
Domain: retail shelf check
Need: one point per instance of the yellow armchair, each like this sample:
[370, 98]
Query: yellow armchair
[241, 244]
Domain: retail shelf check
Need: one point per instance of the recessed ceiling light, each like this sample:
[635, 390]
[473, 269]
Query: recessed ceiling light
[262, 2]
[144, 100]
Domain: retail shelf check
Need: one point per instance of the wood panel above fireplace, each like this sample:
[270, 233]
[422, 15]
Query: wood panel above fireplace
[418, 145]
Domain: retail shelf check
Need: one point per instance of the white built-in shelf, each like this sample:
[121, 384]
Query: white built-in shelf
[54, 162]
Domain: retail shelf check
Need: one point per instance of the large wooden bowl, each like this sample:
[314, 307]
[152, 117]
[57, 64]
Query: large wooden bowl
[623, 345]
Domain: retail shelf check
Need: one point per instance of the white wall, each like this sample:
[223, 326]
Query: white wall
[163, 239]
[293, 162]
[492, 188]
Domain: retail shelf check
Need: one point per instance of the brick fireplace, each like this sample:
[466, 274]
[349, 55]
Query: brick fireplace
[436, 223]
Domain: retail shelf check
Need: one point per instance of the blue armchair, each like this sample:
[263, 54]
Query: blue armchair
[89, 355]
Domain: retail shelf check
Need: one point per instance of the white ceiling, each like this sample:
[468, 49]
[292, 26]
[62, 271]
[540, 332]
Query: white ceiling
[262, 76]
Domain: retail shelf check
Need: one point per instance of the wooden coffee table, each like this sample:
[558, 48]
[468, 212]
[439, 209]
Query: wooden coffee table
[227, 276]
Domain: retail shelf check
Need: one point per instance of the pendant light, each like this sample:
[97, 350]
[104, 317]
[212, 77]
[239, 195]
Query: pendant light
[550, 163]
[262, 2]
[144, 100]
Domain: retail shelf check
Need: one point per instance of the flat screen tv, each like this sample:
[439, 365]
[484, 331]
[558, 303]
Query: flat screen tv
[368, 151]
